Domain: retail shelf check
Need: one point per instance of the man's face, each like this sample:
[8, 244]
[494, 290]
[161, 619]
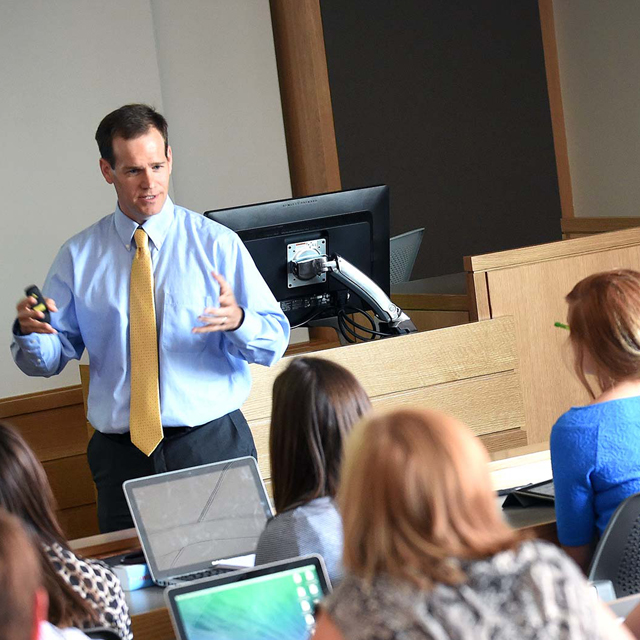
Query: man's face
[141, 174]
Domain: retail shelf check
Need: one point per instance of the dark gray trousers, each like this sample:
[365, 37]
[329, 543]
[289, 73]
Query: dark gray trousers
[113, 459]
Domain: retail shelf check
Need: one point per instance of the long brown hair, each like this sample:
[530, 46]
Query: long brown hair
[604, 320]
[25, 492]
[416, 497]
[315, 404]
[20, 580]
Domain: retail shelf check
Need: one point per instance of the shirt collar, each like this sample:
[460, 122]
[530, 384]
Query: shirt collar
[156, 226]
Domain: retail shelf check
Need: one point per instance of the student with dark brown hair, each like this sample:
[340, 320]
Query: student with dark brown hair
[315, 404]
[595, 449]
[81, 593]
[427, 554]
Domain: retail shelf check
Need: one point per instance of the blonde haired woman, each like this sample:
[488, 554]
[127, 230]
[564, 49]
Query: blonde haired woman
[426, 551]
[595, 449]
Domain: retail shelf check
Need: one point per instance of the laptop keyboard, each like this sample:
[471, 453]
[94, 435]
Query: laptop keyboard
[206, 573]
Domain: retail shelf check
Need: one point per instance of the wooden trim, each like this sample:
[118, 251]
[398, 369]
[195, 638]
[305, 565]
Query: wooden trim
[552, 251]
[549, 45]
[306, 97]
[431, 301]
[106, 544]
[479, 305]
[589, 226]
[40, 401]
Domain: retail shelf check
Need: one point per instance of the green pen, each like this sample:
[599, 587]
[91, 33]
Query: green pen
[561, 325]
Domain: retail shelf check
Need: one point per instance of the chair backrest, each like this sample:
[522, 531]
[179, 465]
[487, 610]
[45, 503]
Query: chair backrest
[617, 556]
[403, 252]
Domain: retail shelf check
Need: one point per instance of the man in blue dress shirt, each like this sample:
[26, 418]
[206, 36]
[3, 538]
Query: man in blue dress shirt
[214, 316]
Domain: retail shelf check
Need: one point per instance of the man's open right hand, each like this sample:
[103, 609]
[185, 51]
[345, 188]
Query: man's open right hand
[30, 319]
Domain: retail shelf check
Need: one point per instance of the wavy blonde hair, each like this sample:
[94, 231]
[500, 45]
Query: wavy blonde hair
[415, 496]
[604, 319]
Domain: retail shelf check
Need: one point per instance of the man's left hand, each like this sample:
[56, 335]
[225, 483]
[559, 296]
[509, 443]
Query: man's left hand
[226, 317]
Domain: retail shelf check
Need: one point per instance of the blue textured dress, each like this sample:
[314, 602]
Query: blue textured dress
[595, 454]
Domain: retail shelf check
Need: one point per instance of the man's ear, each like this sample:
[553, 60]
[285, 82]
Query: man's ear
[106, 170]
[170, 158]
[40, 611]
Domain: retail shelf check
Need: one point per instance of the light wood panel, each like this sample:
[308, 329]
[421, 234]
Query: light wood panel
[54, 433]
[53, 424]
[470, 371]
[71, 481]
[431, 320]
[530, 284]
[551, 251]
[79, 521]
[153, 625]
[578, 227]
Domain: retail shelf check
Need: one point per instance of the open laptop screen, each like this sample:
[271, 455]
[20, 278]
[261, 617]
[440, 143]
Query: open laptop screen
[272, 602]
[187, 519]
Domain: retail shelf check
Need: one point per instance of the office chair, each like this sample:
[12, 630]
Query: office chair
[617, 556]
[101, 633]
[403, 252]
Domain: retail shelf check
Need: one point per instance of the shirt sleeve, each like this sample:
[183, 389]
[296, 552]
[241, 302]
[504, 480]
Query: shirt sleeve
[40, 354]
[263, 336]
[573, 459]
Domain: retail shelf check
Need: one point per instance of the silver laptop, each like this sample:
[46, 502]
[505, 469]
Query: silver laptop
[194, 521]
[271, 602]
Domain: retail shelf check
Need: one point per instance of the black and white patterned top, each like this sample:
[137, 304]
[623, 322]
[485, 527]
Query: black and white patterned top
[535, 592]
[315, 527]
[95, 582]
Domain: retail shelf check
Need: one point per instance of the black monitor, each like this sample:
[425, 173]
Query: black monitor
[353, 224]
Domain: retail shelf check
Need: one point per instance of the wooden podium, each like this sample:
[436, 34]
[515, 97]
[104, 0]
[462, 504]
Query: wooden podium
[530, 284]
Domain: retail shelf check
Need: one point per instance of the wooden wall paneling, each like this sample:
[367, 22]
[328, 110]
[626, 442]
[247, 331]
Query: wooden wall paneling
[154, 624]
[468, 400]
[530, 284]
[577, 227]
[469, 370]
[53, 433]
[53, 424]
[79, 522]
[478, 292]
[431, 320]
[408, 362]
[552, 69]
[306, 97]
[431, 301]
[40, 401]
[503, 440]
[552, 251]
[71, 481]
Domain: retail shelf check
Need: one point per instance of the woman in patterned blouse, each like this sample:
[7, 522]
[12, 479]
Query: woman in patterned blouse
[427, 554]
[82, 593]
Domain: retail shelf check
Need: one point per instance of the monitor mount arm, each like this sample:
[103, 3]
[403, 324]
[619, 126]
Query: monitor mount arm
[393, 320]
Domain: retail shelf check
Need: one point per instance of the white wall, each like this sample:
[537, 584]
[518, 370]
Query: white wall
[599, 60]
[208, 65]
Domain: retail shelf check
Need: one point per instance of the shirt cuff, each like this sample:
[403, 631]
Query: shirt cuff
[247, 331]
[17, 331]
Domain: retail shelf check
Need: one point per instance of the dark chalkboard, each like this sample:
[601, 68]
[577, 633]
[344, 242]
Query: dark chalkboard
[446, 102]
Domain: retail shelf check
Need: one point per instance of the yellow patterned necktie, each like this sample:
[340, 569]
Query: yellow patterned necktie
[144, 417]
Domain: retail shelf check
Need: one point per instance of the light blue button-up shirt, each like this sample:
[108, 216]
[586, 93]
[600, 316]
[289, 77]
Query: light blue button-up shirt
[202, 376]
